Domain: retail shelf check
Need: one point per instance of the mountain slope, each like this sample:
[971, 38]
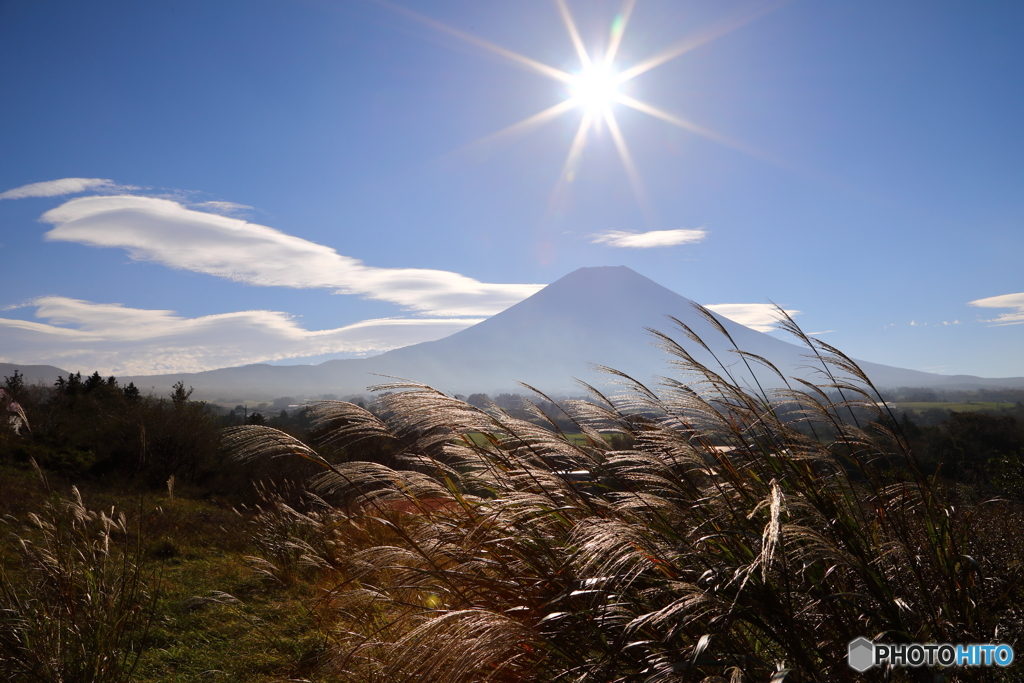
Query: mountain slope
[592, 315]
[34, 374]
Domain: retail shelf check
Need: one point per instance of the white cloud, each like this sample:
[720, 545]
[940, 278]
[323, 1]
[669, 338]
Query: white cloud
[86, 336]
[760, 317]
[165, 231]
[648, 240]
[54, 188]
[1014, 301]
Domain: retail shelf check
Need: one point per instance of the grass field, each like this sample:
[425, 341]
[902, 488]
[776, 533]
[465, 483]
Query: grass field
[190, 549]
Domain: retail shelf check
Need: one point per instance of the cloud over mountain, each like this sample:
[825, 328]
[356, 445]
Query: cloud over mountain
[760, 317]
[165, 231]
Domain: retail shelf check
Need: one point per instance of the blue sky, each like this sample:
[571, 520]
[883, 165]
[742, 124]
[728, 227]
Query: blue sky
[269, 181]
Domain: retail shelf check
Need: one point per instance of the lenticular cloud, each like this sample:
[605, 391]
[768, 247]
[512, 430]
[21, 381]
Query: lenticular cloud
[55, 188]
[760, 317]
[166, 232]
[648, 240]
[116, 339]
[1012, 301]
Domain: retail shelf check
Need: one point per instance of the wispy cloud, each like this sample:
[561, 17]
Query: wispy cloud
[648, 240]
[1013, 301]
[165, 231]
[114, 339]
[760, 317]
[223, 208]
[55, 188]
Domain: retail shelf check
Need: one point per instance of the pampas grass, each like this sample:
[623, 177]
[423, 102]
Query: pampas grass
[747, 533]
[75, 606]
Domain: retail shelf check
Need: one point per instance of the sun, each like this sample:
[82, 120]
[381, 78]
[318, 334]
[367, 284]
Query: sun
[595, 87]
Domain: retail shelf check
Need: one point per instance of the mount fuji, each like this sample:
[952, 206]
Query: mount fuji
[590, 316]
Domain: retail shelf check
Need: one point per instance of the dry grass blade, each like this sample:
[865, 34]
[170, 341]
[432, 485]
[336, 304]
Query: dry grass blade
[463, 646]
[252, 442]
[347, 422]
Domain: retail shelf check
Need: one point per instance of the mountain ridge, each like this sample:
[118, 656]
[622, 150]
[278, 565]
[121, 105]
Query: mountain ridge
[591, 315]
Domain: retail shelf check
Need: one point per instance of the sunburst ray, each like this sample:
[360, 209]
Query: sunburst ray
[692, 42]
[524, 125]
[627, 161]
[522, 60]
[594, 88]
[617, 31]
[651, 110]
[574, 35]
[576, 149]
[568, 173]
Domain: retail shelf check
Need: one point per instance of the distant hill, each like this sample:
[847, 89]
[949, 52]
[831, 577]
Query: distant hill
[592, 315]
[34, 374]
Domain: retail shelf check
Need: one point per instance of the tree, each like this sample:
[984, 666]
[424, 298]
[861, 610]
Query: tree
[72, 386]
[478, 400]
[93, 382]
[180, 396]
[131, 392]
[15, 384]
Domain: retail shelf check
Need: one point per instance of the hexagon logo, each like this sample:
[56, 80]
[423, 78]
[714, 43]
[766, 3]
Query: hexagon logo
[861, 654]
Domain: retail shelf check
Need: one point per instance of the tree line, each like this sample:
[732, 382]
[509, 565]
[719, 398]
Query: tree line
[95, 427]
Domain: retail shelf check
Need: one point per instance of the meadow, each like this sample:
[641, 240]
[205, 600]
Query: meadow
[698, 531]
